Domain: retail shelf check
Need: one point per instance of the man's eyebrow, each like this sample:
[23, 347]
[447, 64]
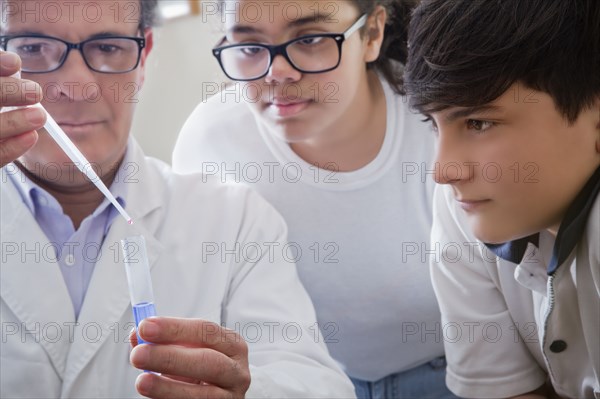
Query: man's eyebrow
[94, 36]
[316, 18]
[23, 33]
[108, 34]
[464, 112]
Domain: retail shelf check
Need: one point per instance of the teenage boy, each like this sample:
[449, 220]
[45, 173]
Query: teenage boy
[513, 91]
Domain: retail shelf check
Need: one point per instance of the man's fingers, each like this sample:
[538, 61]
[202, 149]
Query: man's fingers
[17, 92]
[20, 121]
[9, 63]
[182, 379]
[133, 338]
[198, 364]
[12, 148]
[158, 387]
[193, 333]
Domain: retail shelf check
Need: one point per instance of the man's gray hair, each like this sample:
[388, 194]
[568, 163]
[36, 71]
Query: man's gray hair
[148, 15]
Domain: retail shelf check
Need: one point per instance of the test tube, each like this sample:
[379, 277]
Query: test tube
[138, 279]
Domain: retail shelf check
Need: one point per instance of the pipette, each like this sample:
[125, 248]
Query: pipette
[60, 137]
[55, 131]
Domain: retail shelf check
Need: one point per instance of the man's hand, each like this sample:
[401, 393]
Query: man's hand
[17, 127]
[197, 359]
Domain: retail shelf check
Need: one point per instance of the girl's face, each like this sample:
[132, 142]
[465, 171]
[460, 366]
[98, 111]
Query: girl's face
[297, 106]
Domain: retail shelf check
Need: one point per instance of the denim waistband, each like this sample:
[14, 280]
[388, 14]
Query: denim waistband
[438, 363]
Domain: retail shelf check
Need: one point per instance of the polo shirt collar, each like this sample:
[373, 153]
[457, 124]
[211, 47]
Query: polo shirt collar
[569, 234]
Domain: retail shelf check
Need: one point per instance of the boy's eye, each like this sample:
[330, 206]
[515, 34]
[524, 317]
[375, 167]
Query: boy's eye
[432, 124]
[478, 125]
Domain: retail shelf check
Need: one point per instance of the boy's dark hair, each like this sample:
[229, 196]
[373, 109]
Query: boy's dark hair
[148, 16]
[469, 52]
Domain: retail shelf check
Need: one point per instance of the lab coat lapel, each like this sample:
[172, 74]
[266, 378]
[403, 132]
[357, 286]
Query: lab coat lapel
[107, 297]
[31, 283]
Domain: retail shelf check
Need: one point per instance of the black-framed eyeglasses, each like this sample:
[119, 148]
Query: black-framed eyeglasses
[106, 54]
[316, 53]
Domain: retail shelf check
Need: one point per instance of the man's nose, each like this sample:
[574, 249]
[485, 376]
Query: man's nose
[74, 80]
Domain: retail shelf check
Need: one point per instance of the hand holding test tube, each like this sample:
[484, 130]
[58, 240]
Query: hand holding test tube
[138, 279]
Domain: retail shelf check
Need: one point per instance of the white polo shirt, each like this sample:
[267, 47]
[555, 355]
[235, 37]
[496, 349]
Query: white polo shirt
[516, 313]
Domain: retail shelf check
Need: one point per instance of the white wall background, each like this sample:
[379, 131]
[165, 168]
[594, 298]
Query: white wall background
[180, 63]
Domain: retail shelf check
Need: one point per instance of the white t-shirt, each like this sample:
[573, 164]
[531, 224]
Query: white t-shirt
[360, 239]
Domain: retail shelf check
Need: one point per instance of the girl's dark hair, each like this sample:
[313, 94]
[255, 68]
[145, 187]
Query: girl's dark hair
[394, 47]
[465, 53]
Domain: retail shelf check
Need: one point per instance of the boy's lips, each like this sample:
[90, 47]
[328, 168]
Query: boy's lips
[470, 205]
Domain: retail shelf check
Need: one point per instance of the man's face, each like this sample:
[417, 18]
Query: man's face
[94, 109]
[516, 166]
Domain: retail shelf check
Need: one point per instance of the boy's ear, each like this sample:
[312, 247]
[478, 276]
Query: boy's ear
[374, 33]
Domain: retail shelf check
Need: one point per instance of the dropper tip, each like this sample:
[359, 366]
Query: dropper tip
[130, 221]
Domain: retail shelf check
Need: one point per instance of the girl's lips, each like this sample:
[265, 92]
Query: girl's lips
[290, 109]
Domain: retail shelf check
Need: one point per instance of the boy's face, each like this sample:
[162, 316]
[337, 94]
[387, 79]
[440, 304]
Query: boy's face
[516, 165]
[94, 109]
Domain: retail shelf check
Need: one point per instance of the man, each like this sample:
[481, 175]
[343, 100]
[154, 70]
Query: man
[214, 251]
[513, 90]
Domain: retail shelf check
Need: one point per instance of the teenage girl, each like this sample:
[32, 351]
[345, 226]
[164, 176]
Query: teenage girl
[317, 123]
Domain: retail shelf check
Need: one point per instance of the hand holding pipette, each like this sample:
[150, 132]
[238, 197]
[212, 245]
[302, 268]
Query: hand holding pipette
[17, 128]
[79, 160]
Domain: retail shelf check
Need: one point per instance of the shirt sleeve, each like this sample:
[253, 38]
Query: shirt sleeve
[486, 356]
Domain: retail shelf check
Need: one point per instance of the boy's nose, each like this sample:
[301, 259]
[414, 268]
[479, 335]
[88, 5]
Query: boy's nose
[451, 167]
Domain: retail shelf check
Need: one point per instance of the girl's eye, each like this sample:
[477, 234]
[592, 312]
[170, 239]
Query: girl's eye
[480, 126]
[310, 41]
[252, 50]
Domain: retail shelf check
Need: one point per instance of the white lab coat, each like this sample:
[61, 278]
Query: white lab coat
[46, 352]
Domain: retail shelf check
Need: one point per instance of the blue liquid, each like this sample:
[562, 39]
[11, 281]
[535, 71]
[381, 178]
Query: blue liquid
[140, 312]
